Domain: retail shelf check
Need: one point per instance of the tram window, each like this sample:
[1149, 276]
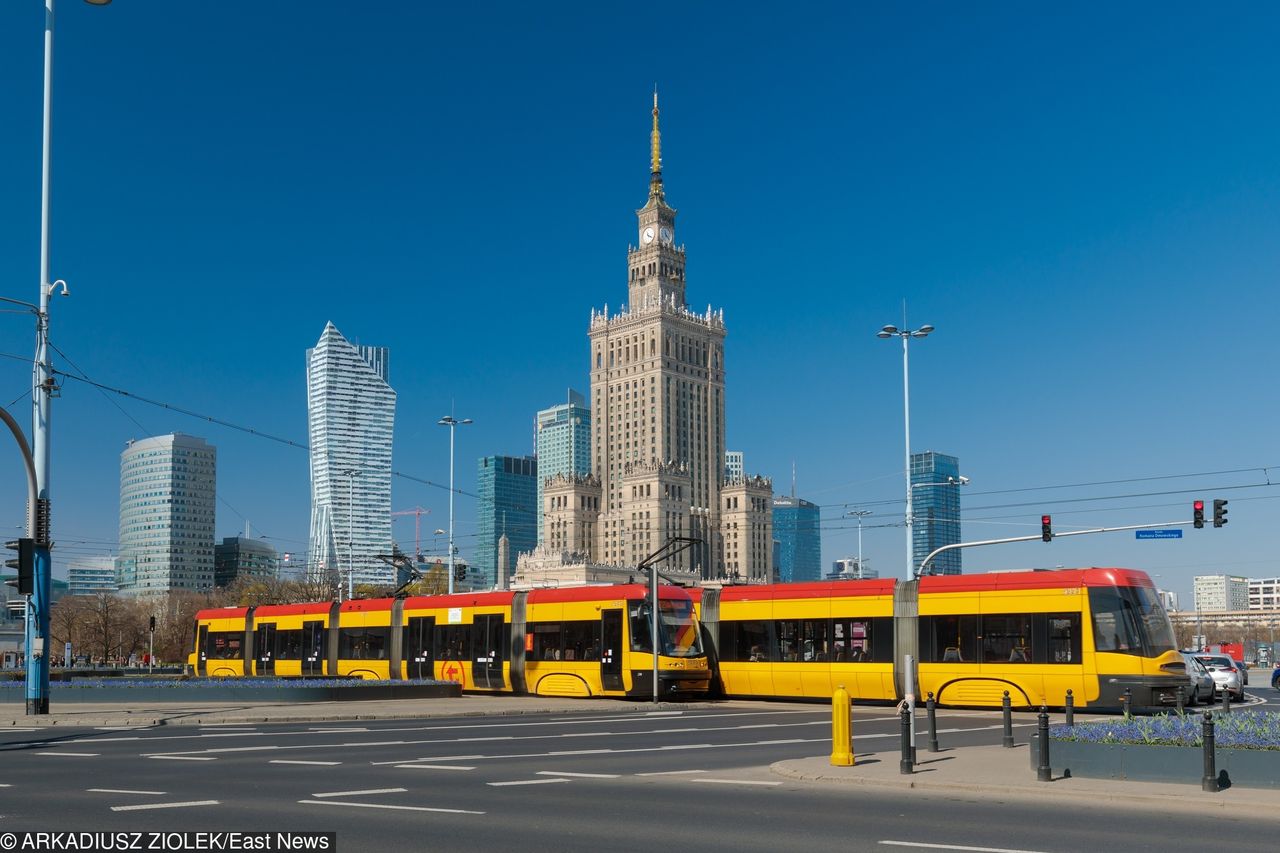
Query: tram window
[363, 643]
[851, 641]
[788, 633]
[453, 642]
[1116, 626]
[289, 645]
[949, 639]
[813, 640]
[1006, 638]
[582, 640]
[417, 639]
[745, 641]
[1064, 637]
[225, 645]
[546, 641]
[641, 629]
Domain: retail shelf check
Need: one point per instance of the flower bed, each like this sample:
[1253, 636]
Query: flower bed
[1237, 730]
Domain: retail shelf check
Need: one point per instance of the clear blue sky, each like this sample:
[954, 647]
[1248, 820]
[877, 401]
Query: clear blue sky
[1085, 203]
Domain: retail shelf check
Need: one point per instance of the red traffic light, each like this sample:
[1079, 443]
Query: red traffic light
[1046, 528]
[1197, 514]
[1198, 505]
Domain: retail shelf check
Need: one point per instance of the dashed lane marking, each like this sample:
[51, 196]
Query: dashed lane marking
[165, 805]
[432, 767]
[386, 806]
[314, 763]
[358, 793]
[123, 791]
[184, 757]
[436, 758]
[927, 846]
[72, 754]
[525, 782]
[577, 775]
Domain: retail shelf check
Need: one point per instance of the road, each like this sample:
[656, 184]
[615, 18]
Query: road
[620, 779]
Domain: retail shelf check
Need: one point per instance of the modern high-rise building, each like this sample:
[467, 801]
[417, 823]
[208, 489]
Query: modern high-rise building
[562, 441]
[508, 497]
[735, 466]
[797, 527]
[167, 508]
[658, 421]
[935, 511]
[91, 575]
[1264, 593]
[243, 557]
[351, 413]
[1215, 593]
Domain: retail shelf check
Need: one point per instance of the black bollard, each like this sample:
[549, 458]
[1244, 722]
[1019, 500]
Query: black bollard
[1071, 708]
[1127, 703]
[905, 764]
[1008, 720]
[1043, 772]
[1182, 700]
[1226, 702]
[933, 723]
[1210, 781]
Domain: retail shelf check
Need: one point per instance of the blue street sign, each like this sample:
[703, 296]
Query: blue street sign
[1158, 534]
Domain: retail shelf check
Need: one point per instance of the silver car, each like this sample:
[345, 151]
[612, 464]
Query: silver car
[1202, 686]
[1226, 675]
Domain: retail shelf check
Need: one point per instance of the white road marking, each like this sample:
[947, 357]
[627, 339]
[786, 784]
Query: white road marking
[19, 730]
[433, 767]
[437, 758]
[185, 757]
[671, 772]
[317, 763]
[577, 775]
[736, 782]
[113, 728]
[474, 739]
[386, 806]
[123, 791]
[956, 847]
[664, 713]
[73, 754]
[525, 782]
[358, 793]
[5, 785]
[337, 731]
[165, 805]
[580, 752]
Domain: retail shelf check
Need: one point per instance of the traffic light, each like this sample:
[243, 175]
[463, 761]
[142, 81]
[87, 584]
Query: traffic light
[1219, 512]
[25, 564]
[1046, 528]
[1197, 514]
[459, 573]
[153, 624]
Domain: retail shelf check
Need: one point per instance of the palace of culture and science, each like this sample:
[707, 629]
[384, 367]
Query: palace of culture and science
[657, 433]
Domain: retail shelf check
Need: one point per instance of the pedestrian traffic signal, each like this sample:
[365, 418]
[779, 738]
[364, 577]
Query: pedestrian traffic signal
[1046, 528]
[153, 624]
[1219, 512]
[25, 563]
[1197, 514]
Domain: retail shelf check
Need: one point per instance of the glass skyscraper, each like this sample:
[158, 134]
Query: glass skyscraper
[167, 506]
[796, 528]
[563, 444]
[350, 416]
[508, 489]
[935, 511]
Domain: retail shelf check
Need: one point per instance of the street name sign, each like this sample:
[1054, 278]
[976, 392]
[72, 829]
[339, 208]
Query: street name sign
[1158, 534]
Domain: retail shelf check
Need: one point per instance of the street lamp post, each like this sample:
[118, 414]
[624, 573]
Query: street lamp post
[351, 474]
[861, 514]
[452, 423]
[906, 335]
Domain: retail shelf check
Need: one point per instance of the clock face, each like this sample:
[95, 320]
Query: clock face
[647, 236]
[665, 234]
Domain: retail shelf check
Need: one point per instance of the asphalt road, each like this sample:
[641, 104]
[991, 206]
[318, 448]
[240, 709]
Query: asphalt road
[625, 780]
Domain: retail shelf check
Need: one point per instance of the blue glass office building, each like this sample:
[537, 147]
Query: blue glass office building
[563, 442]
[508, 489]
[796, 529]
[935, 496]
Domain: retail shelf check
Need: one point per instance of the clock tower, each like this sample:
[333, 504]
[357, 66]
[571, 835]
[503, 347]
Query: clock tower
[656, 265]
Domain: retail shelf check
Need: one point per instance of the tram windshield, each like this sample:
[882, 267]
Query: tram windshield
[676, 624]
[1129, 620]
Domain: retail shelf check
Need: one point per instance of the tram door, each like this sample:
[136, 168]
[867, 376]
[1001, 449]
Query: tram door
[487, 646]
[264, 646]
[417, 647]
[313, 648]
[611, 650]
[202, 651]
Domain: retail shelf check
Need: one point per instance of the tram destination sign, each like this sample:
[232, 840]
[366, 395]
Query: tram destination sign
[1158, 534]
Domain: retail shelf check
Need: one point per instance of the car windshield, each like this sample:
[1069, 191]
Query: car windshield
[676, 623]
[1129, 620]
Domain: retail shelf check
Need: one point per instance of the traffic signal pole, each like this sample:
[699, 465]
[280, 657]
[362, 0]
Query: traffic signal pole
[37, 628]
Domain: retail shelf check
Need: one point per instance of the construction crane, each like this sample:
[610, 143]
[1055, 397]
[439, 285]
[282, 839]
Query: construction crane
[417, 512]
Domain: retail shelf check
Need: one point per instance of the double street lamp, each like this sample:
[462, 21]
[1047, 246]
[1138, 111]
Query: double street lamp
[859, 514]
[452, 423]
[906, 335]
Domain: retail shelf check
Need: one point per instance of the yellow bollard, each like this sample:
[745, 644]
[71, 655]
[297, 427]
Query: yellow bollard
[841, 731]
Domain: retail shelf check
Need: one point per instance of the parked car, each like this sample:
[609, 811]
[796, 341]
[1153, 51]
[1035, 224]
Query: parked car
[1226, 675]
[1275, 677]
[1202, 686]
[1244, 672]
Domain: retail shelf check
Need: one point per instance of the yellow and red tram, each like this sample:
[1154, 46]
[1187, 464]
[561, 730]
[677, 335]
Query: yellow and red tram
[582, 641]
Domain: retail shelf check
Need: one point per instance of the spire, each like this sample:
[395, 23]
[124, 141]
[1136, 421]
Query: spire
[655, 152]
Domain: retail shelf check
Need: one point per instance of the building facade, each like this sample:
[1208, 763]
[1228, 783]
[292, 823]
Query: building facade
[242, 557]
[91, 575]
[168, 497]
[1264, 593]
[1214, 593]
[797, 527]
[935, 511]
[562, 443]
[350, 418]
[657, 415]
[735, 466]
[508, 490]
